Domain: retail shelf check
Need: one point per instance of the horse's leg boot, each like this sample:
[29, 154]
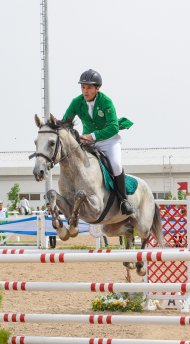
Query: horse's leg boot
[125, 206]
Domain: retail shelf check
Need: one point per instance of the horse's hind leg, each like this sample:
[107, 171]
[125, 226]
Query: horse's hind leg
[140, 265]
[129, 240]
[73, 220]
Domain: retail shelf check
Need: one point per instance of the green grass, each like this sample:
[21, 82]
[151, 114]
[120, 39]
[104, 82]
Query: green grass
[4, 336]
[83, 247]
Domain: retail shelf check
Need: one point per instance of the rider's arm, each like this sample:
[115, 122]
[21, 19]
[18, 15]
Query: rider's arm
[71, 110]
[111, 126]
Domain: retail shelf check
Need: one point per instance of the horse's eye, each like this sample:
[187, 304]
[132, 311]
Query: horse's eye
[51, 143]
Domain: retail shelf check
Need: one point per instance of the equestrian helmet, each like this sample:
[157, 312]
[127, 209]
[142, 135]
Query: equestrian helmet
[91, 77]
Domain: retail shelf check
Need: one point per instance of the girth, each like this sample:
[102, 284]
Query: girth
[107, 208]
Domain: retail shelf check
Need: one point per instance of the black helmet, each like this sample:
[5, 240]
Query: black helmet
[91, 77]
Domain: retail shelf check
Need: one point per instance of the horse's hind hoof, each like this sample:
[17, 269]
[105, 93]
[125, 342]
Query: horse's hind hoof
[130, 266]
[141, 272]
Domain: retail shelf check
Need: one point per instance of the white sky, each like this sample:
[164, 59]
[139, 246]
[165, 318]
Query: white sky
[140, 47]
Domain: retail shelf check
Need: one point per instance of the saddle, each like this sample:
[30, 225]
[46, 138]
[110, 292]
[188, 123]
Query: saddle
[131, 183]
[105, 161]
[109, 182]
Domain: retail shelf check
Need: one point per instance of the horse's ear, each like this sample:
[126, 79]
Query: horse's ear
[70, 122]
[38, 121]
[52, 119]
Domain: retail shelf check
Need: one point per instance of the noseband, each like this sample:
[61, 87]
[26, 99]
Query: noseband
[52, 161]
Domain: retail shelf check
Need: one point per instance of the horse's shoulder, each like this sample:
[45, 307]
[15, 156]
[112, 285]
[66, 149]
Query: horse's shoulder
[92, 155]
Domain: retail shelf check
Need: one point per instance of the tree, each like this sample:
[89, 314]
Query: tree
[181, 195]
[168, 196]
[13, 196]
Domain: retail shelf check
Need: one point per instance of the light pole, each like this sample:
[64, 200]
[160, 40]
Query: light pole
[44, 50]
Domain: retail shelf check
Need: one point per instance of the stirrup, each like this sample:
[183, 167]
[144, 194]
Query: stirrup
[128, 209]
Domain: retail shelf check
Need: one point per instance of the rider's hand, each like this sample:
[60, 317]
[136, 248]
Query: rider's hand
[86, 138]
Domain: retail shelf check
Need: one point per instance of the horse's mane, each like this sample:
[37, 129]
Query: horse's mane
[68, 124]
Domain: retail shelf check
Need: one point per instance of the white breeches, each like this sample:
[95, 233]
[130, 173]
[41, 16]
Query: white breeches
[112, 149]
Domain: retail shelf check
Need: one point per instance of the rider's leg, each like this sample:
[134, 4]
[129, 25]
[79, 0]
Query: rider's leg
[112, 149]
[125, 206]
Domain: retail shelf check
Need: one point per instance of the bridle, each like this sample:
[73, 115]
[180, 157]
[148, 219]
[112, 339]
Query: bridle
[52, 160]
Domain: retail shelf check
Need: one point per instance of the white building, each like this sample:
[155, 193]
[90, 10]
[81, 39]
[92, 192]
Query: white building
[161, 168]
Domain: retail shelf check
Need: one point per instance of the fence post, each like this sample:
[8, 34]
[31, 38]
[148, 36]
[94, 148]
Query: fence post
[186, 303]
[41, 238]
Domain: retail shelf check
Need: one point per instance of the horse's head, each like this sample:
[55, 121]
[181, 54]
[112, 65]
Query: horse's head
[49, 147]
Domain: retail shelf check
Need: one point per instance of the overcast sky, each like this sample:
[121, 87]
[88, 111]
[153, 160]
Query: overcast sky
[140, 47]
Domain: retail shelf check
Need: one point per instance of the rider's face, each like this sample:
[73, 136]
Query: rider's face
[89, 91]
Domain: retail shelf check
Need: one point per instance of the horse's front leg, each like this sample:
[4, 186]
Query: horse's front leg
[73, 220]
[54, 199]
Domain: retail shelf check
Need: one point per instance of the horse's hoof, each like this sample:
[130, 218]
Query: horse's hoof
[60, 224]
[55, 224]
[73, 231]
[141, 272]
[63, 234]
[130, 266]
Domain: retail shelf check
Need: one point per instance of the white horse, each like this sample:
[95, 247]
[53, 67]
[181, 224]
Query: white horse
[82, 189]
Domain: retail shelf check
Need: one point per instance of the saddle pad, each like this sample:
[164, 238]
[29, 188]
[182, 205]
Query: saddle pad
[131, 183]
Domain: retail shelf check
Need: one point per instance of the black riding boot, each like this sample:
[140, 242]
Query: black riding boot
[125, 206]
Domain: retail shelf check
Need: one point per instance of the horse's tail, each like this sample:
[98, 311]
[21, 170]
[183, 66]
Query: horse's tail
[156, 227]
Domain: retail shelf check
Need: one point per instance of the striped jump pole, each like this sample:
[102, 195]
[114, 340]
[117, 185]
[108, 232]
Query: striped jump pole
[23, 251]
[74, 340]
[139, 256]
[96, 287]
[94, 319]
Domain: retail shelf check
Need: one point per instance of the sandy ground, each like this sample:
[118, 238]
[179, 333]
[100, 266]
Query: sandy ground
[76, 303]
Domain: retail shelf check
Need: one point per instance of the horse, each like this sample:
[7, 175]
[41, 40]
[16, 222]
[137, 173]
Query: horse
[83, 192]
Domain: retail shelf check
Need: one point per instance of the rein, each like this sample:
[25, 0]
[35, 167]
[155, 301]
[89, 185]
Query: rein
[52, 161]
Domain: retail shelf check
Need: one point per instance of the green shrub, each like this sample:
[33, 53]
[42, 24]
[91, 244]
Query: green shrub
[4, 336]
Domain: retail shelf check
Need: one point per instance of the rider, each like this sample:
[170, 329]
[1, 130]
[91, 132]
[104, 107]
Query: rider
[101, 125]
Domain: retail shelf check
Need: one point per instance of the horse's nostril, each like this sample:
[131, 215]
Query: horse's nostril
[41, 172]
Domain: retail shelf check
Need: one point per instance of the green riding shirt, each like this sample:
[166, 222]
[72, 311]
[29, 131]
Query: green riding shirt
[104, 122]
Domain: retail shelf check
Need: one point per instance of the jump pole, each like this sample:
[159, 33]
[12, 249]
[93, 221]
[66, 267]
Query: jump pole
[24, 250]
[140, 256]
[94, 319]
[74, 340]
[18, 250]
[95, 287]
